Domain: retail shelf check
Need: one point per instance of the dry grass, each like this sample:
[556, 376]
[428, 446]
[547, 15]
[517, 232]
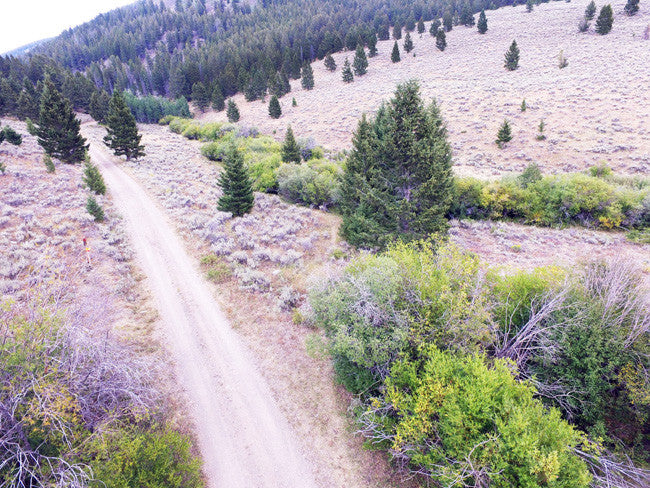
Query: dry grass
[595, 109]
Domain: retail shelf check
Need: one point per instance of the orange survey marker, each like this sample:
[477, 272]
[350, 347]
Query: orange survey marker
[87, 250]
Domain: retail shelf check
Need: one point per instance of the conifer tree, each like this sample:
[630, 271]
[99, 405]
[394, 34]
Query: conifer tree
[11, 136]
[237, 197]
[394, 56]
[590, 11]
[346, 72]
[409, 26]
[93, 178]
[58, 129]
[200, 96]
[408, 43]
[398, 181]
[95, 209]
[360, 62]
[605, 20]
[290, 148]
[232, 112]
[28, 102]
[631, 7]
[466, 16]
[275, 111]
[441, 40]
[529, 6]
[329, 62]
[523, 105]
[435, 25]
[397, 30]
[421, 28]
[447, 20]
[540, 131]
[218, 102]
[307, 77]
[99, 103]
[293, 102]
[482, 24]
[122, 132]
[49, 164]
[3, 167]
[505, 134]
[372, 45]
[512, 57]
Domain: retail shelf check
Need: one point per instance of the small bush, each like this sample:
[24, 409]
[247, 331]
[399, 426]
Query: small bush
[313, 183]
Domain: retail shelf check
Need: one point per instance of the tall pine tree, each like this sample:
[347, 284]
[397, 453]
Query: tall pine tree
[275, 111]
[482, 24]
[99, 103]
[394, 56]
[372, 45]
[307, 77]
[218, 102]
[58, 129]
[93, 178]
[329, 62]
[346, 72]
[441, 39]
[408, 43]
[631, 7]
[235, 184]
[200, 96]
[605, 20]
[233, 112]
[122, 132]
[398, 181]
[512, 57]
[360, 62]
[290, 148]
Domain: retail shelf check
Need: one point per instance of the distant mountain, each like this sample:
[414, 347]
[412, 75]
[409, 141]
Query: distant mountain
[27, 48]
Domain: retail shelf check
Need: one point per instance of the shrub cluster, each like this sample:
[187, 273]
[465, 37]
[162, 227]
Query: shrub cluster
[151, 109]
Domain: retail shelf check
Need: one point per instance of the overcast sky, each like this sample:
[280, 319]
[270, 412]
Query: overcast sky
[25, 21]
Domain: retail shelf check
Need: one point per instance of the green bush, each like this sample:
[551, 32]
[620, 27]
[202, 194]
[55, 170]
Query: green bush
[311, 183]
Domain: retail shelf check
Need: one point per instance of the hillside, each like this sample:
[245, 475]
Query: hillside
[594, 109]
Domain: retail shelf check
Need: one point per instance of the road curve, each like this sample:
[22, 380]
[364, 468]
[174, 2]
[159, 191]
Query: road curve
[244, 439]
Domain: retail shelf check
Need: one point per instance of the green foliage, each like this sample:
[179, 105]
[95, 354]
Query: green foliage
[235, 184]
[529, 5]
[49, 164]
[11, 136]
[330, 64]
[150, 109]
[95, 209]
[605, 20]
[293, 102]
[312, 183]
[346, 73]
[122, 132]
[307, 77]
[232, 112]
[441, 40]
[408, 43]
[447, 20]
[398, 181]
[421, 28]
[372, 45]
[200, 96]
[590, 11]
[397, 30]
[92, 178]
[562, 61]
[216, 270]
[532, 174]
[583, 25]
[512, 57]
[540, 131]
[290, 148]
[218, 101]
[435, 26]
[3, 167]
[466, 418]
[360, 62]
[466, 17]
[58, 130]
[523, 105]
[482, 24]
[504, 135]
[394, 56]
[99, 103]
[275, 111]
[631, 7]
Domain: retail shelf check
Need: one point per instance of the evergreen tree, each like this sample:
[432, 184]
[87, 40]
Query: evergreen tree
[122, 132]
[307, 77]
[290, 148]
[441, 40]
[409, 26]
[218, 102]
[605, 20]
[95, 209]
[233, 112]
[529, 6]
[397, 30]
[200, 96]
[398, 181]
[28, 102]
[447, 20]
[293, 102]
[49, 164]
[235, 184]
[99, 103]
[346, 72]
[505, 134]
[523, 105]
[408, 43]
[512, 57]
[93, 178]
[58, 129]
[394, 56]
[275, 111]
[435, 25]
[329, 62]
[3, 167]
[360, 62]
[590, 11]
[372, 45]
[631, 7]
[482, 24]
[421, 28]
[540, 131]
[466, 16]
[11, 136]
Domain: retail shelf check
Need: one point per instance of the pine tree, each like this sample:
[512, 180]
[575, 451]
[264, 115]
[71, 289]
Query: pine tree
[512, 57]
[466, 16]
[28, 101]
[360, 62]
[605, 20]
[218, 102]
[505, 134]
[233, 112]
[307, 77]
[95, 209]
[435, 26]
[397, 31]
[408, 43]
[99, 103]
[275, 111]
[346, 72]
[58, 129]
[11, 136]
[394, 56]
[441, 40]
[329, 62]
[421, 28]
[49, 164]
[372, 45]
[540, 128]
[290, 148]
[482, 24]
[590, 11]
[122, 132]
[523, 105]
[235, 184]
[398, 181]
[93, 178]
[3, 167]
[631, 7]
[200, 96]
[529, 6]
[447, 20]
[293, 102]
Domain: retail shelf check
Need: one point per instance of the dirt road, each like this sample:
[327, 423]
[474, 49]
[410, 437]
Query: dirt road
[245, 440]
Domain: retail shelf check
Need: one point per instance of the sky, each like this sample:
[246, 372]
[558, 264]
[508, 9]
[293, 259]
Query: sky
[25, 21]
